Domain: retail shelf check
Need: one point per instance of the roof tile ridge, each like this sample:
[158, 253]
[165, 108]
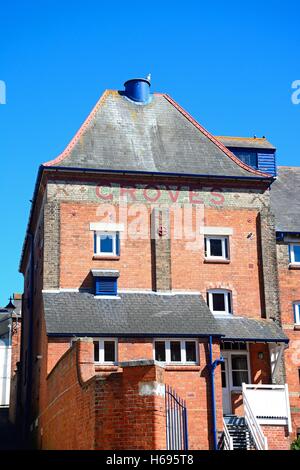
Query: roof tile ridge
[80, 131]
[213, 139]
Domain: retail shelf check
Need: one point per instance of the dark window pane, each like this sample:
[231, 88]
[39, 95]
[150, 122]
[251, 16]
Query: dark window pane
[250, 158]
[229, 302]
[226, 249]
[215, 247]
[205, 246]
[190, 348]
[239, 362]
[109, 351]
[106, 243]
[297, 253]
[227, 346]
[160, 351]
[96, 351]
[242, 346]
[175, 351]
[238, 377]
[218, 302]
[223, 375]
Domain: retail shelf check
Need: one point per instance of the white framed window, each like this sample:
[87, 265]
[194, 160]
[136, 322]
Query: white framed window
[105, 350]
[106, 243]
[216, 247]
[176, 351]
[294, 249]
[297, 313]
[219, 301]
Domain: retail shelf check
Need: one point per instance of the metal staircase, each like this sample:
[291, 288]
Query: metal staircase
[238, 435]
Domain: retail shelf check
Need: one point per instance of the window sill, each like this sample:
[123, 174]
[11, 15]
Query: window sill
[183, 367]
[294, 266]
[106, 257]
[106, 367]
[216, 261]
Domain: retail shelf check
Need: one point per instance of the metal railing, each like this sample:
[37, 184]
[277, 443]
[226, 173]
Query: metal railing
[227, 439]
[259, 438]
[176, 421]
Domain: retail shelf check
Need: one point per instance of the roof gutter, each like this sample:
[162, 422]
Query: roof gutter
[137, 335]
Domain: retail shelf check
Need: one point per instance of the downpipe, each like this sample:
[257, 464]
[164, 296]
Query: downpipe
[212, 366]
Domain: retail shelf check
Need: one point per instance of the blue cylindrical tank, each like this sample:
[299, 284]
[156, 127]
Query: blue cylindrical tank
[137, 89]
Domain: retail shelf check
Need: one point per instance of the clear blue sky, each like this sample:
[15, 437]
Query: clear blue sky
[229, 63]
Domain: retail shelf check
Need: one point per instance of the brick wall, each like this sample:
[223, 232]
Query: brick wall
[289, 282]
[278, 437]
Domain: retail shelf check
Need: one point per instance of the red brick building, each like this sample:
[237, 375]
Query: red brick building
[285, 205]
[151, 288]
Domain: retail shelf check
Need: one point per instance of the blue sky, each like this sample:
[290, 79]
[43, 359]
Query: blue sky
[230, 64]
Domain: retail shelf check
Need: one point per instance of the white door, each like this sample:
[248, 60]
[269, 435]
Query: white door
[5, 365]
[226, 396]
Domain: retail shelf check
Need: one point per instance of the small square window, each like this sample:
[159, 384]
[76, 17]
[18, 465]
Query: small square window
[216, 247]
[294, 249]
[219, 301]
[107, 243]
[105, 351]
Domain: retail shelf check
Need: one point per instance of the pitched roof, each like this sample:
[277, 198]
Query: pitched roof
[144, 314]
[246, 142]
[240, 328]
[147, 314]
[285, 199]
[159, 137]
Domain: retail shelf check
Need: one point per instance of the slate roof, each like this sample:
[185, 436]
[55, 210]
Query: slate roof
[285, 199]
[235, 328]
[159, 137]
[80, 313]
[147, 314]
[246, 142]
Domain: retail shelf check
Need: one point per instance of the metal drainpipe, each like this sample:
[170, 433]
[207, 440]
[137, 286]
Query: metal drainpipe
[213, 401]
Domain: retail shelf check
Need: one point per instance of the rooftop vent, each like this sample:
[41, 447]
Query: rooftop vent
[138, 89]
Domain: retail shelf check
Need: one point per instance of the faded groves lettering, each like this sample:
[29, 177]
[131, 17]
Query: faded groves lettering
[159, 194]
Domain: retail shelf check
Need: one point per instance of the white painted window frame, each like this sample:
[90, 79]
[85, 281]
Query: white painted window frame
[223, 239]
[210, 293]
[228, 355]
[98, 244]
[101, 349]
[296, 309]
[182, 341]
[101, 342]
[292, 254]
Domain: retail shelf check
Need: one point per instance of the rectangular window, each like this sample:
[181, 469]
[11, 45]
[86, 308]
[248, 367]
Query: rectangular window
[160, 351]
[216, 247]
[297, 313]
[107, 243]
[219, 301]
[294, 249]
[105, 351]
[239, 367]
[250, 158]
[176, 351]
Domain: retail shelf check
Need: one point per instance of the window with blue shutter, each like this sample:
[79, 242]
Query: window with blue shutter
[106, 285]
